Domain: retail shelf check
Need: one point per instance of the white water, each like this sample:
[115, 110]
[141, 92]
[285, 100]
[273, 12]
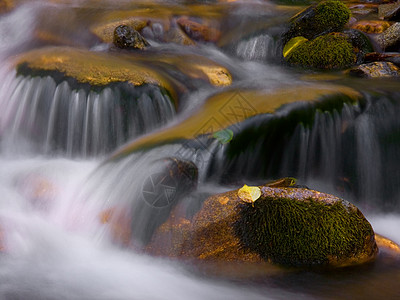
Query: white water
[53, 254]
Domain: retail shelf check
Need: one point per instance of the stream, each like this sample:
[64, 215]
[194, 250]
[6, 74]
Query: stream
[58, 143]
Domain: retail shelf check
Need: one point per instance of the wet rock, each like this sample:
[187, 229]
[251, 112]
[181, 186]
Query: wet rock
[285, 225]
[93, 68]
[390, 37]
[197, 31]
[322, 18]
[361, 43]
[105, 31]
[331, 51]
[388, 57]
[376, 70]
[125, 37]
[389, 11]
[371, 26]
[233, 106]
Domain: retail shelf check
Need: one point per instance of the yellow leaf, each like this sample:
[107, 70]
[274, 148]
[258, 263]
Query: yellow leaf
[249, 194]
[293, 43]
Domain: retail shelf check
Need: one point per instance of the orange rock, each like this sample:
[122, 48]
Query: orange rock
[198, 31]
[371, 26]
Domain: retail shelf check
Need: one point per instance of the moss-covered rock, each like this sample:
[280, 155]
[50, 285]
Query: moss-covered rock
[300, 227]
[285, 225]
[331, 51]
[324, 17]
[125, 37]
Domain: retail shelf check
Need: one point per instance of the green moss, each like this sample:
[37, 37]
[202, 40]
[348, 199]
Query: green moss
[331, 14]
[325, 17]
[331, 51]
[303, 233]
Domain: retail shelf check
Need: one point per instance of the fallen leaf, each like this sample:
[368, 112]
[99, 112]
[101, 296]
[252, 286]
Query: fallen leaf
[249, 194]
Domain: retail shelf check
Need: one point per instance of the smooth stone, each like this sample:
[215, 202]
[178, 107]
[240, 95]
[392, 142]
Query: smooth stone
[389, 11]
[390, 36]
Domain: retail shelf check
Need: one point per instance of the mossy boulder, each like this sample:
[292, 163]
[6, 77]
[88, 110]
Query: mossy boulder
[322, 18]
[330, 51]
[287, 226]
[125, 37]
[301, 227]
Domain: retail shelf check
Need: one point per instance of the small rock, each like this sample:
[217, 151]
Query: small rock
[197, 31]
[376, 70]
[390, 36]
[126, 37]
[389, 11]
[371, 26]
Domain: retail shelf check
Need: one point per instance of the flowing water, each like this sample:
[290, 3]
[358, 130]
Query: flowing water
[56, 180]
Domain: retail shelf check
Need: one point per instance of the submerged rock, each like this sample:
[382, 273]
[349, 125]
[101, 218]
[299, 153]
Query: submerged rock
[322, 18]
[331, 51]
[285, 225]
[376, 70]
[126, 37]
[197, 31]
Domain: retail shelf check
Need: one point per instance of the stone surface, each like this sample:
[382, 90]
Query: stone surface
[390, 36]
[376, 70]
[125, 37]
[94, 68]
[389, 11]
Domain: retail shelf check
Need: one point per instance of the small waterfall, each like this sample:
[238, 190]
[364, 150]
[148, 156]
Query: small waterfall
[55, 117]
[350, 151]
[256, 48]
